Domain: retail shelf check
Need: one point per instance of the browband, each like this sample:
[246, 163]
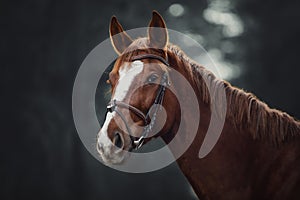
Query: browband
[151, 56]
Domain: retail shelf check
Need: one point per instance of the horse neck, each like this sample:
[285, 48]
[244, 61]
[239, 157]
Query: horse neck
[190, 158]
[233, 154]
[190, 117]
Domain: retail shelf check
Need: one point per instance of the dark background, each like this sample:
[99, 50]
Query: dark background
[43, 43]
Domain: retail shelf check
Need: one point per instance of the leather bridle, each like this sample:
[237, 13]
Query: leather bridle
[149, 122]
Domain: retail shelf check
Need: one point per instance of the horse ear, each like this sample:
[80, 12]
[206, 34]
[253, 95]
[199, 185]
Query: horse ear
[119, 38]
[157, 32]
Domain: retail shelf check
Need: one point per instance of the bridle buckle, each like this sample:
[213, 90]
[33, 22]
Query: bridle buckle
[138, 143]
[111, 107]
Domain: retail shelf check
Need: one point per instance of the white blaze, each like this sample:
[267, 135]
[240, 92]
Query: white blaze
[127, 74]
[103, 138]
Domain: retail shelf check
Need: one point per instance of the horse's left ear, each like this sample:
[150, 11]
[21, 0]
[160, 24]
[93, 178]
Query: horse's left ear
[157, 32]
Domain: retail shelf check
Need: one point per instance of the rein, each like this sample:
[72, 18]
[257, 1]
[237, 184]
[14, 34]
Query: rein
[137, 142]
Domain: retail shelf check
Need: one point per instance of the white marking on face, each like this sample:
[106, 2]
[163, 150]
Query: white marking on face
[126, 76]
[103, 139]
[127, 73]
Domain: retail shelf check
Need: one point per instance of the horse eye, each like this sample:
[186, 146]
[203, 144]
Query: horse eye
[152, 78]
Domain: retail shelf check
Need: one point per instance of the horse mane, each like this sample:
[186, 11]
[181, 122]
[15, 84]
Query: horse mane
[244, 110]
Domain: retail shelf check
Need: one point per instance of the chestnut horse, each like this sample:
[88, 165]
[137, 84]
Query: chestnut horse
[257, 155]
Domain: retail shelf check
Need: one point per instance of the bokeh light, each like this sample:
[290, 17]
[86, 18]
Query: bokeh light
[176, 10]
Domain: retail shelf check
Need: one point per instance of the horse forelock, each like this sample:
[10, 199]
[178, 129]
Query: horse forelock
[138, 46]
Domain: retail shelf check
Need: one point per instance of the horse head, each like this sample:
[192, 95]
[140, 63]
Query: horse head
[139, 81]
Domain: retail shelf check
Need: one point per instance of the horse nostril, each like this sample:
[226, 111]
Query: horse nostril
[118, 140]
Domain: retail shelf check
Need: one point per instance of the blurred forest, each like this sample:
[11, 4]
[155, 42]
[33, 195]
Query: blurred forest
[43, 43]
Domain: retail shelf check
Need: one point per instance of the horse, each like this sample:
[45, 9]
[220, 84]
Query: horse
[257, 155]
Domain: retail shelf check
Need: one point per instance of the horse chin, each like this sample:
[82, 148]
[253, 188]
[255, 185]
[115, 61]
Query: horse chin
[115, 158]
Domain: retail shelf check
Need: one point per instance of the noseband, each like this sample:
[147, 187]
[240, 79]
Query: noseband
[137, 142]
